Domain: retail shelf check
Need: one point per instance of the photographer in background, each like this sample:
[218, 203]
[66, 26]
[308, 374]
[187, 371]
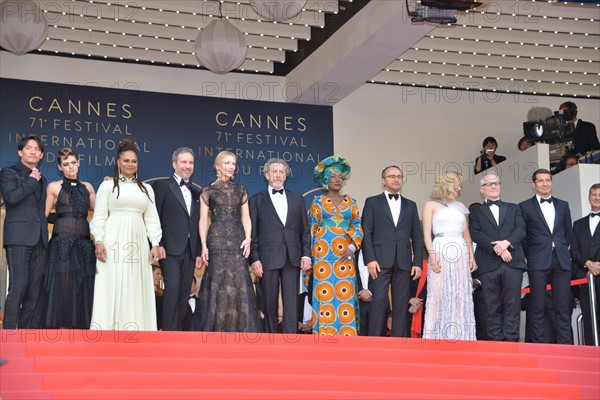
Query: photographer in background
[586, 139]
[488, 157]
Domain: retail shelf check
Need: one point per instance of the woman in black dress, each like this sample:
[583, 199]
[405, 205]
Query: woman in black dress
[226, 298]
[68, 283]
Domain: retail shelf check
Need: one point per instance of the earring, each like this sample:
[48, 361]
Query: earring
[218, 174]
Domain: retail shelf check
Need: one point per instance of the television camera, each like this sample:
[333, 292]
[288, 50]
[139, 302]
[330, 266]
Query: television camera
[557, 131]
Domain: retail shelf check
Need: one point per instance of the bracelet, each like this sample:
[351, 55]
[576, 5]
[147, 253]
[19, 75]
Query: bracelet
[98, 242]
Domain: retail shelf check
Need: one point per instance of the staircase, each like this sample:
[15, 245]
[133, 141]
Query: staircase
[74, 364]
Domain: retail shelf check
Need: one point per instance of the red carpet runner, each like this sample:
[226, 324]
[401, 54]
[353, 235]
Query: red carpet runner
[176, 365]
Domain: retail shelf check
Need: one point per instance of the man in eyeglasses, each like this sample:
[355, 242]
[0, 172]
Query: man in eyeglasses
[391, 229]
[546, 244]
[498, 229]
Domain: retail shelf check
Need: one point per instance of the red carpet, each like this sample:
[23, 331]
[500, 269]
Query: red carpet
[159, 365]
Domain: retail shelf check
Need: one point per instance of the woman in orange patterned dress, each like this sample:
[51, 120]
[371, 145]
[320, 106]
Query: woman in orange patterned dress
[335, 235]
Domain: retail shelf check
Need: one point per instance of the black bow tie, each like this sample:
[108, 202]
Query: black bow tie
[188, 184]
[393, 196]
[549, 200]
[592, 215]
[493, 203]
[280, 191]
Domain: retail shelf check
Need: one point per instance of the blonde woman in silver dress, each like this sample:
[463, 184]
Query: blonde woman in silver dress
[449, 311]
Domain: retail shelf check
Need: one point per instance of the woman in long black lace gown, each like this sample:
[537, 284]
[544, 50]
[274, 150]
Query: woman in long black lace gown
[226, 298]
[67, 290]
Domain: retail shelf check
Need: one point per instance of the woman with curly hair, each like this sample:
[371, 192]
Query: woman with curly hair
[125, 220]
[449, 313]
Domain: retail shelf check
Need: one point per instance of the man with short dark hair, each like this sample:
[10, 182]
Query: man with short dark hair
[178, 206]
[392, 233]
[585, 250]
[25, 231]
[570, 160]
[546, 244]
[586, 138]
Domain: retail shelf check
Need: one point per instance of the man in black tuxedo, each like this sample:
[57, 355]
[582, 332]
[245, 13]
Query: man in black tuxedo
[546, 245]
[586, 138]
[177, 202]
[25, 231]
[391, 229]
[280, 245]
[498, 229]
[585, 250]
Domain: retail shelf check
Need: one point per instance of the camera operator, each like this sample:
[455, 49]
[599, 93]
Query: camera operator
[488, 157]
[586, 139]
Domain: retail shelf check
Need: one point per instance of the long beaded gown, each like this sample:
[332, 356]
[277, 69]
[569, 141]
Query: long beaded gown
[226, 298]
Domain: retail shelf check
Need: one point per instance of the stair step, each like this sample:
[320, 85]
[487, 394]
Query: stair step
[74, 364]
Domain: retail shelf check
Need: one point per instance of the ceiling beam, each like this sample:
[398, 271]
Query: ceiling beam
[360, 49]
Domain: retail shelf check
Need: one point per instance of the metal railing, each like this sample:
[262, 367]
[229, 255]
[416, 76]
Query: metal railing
[593, 311]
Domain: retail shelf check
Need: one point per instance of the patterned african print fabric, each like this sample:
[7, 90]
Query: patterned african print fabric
[335, 294]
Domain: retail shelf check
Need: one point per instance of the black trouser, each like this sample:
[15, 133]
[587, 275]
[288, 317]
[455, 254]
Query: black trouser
[25, 268]
[584, 301]
[502, 294]
[178, 272]
[399, 280]
[289, 277]
[560, 280]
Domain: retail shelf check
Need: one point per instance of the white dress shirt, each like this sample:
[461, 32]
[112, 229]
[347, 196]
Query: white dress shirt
[363, 272]
[593, 223]
[280, 203]
[548, 211]
[495, 211]
[394, 206]
[187, 195]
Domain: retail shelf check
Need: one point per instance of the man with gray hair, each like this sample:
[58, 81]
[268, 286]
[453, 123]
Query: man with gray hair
[177, 202]
[280, 245]
[498, 229]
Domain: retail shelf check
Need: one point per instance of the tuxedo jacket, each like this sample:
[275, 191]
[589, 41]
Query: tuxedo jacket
[584, 245]
[538, 239]
[385, 242]
[272, 242]
[586, 138]
[176, 223]
[484, 230]
[25, 221]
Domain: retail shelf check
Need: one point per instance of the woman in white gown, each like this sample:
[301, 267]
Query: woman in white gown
[449, 306]
[125, 219]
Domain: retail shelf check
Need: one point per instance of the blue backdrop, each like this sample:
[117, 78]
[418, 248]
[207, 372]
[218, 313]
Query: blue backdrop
[92, 120]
